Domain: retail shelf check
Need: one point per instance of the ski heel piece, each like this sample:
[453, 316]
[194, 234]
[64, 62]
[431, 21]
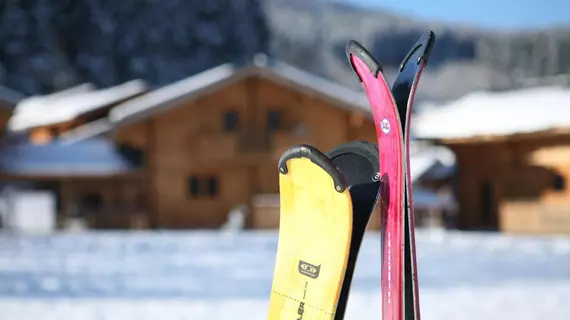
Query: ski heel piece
[358, 161]
[315, 232]
[316, 157]
[356, 50]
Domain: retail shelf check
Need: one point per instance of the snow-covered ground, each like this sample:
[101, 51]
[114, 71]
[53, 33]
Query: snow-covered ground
[209, 275]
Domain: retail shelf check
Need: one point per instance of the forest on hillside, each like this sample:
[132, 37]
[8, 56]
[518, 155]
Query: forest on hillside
[47, 46]
[51, 45]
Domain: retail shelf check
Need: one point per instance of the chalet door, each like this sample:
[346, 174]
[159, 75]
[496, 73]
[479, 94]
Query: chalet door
[488, 206]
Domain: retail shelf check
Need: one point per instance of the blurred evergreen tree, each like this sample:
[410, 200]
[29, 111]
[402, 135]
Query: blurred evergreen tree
[51, 45]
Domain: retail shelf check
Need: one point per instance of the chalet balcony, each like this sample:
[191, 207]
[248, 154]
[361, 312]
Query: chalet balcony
[218, 146]
[255, 143]
[231, 148]
[244, 148]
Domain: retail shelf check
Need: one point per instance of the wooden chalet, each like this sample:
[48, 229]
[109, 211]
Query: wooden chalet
[95, 180]
[90, 180]
[513, 158]
[212, 141]
[188, 154]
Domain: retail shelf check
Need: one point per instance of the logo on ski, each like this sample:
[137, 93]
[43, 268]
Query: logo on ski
[376, 177]
[309, 270]
[385, 125]
[301, 308]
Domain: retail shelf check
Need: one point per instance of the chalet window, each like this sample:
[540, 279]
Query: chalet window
[231, 121]
[486, 203]
[213, 186]
[274, 120]
[194, 186]
[203, 186]
[559, 183]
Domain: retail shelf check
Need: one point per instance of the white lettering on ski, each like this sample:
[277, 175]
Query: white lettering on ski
[389, 270]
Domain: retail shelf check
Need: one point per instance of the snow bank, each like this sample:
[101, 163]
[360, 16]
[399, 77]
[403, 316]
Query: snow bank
[199, 275]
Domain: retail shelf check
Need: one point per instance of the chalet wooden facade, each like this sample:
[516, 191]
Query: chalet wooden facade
[515, 184]
[214, 142]
[185, 155]
[510, 177]
[93, 180]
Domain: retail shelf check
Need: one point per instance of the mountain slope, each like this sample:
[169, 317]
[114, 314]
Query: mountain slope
[313, 35]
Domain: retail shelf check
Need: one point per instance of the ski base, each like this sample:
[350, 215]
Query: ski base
[314, 236]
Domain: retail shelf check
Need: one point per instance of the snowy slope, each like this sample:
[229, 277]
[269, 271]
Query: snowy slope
[209, 275]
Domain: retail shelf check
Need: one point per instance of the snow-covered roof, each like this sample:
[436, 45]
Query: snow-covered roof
[212, 79]
[424, 158]
[428, 199]
[481, 114]
[93, 157]
[68, 104]
[38, 103]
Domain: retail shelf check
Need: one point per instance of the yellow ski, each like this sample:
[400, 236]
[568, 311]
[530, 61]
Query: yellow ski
[314, 236]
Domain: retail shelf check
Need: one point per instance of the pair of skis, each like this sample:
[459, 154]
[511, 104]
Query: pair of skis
[392, 110]
[327, 200]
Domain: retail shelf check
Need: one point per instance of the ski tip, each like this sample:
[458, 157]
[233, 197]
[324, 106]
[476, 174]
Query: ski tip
[317, 157]
[421, 51]
[353, 48]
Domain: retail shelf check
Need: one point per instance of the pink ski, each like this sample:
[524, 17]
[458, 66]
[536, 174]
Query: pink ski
[390, 139]
[391, 110]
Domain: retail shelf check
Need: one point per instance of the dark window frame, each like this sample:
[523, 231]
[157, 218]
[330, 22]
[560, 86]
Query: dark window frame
[231, 121]
[203, 186]
[193, 186]
[213, 186]
[274, 120]
[559, 183]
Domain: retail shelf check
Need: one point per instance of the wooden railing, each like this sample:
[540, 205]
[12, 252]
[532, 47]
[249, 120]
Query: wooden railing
[224, 146]
[255, 143]
[217, 146]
